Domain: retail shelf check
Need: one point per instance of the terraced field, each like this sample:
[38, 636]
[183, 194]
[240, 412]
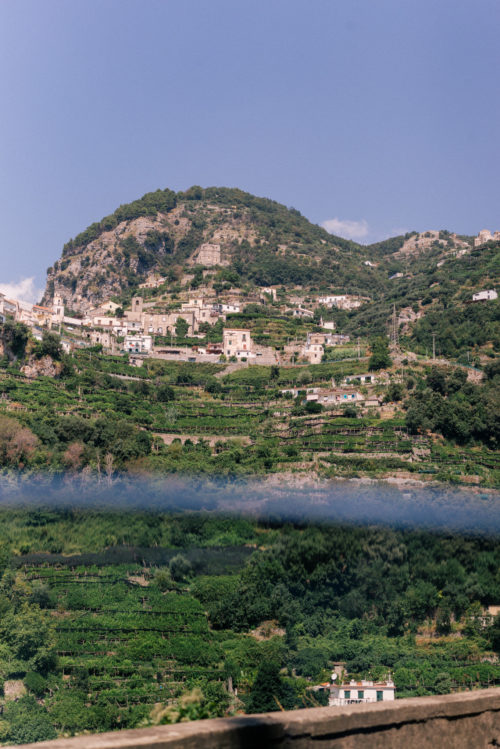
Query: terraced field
[123, 642]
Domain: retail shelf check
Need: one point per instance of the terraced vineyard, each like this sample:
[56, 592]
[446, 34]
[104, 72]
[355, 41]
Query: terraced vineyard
[123, 643]
[179, 417]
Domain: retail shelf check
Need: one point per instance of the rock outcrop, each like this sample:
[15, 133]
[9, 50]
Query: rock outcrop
[43, 367]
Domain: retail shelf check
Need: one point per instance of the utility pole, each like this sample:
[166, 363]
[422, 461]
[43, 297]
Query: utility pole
[394, 328]
[358, 349]
[433, 345]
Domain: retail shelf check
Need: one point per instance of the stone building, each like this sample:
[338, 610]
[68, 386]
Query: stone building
[486, 236]
[237, 342]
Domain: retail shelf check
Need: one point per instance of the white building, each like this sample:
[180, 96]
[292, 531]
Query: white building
[125, 327]
[335, 396]
[230, 307]
[138, 344]
[302, 312]
[332, 301]
[486, 295]
[9, 306]
[102, 321]
[361, 379]
[341, 301]
[355, 692]
[57, 309]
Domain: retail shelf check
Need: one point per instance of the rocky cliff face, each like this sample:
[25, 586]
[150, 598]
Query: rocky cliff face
[123, 249]
[44, 367]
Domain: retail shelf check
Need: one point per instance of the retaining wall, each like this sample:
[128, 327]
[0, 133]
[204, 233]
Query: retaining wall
[466, 720]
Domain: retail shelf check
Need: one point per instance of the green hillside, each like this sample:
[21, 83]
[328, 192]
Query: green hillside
[262, 241]
[114, 620]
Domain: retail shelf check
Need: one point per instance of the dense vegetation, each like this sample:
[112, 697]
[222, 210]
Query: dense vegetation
[157, 617]
[458, 409]
[149, 205]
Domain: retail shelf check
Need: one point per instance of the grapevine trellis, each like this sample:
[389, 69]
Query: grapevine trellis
[138, 645]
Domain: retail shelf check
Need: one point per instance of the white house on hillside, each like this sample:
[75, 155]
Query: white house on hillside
[484, 296]
[138, 344]
[355, 692]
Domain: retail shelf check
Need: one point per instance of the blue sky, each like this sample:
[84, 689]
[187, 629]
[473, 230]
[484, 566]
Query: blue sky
[376, 116]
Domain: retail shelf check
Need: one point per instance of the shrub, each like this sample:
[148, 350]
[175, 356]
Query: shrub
[179, 567]
[35, 683]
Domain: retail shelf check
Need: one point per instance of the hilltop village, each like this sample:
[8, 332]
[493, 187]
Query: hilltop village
[138, 330]
[212, 331]
[157, 329]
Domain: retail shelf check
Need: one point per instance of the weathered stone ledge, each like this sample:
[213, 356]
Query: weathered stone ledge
[468, 719]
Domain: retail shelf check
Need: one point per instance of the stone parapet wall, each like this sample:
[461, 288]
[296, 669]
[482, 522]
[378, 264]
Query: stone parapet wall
[467, 720]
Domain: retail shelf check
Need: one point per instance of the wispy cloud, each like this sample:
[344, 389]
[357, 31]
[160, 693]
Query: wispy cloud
[24, 290]
[347, 229]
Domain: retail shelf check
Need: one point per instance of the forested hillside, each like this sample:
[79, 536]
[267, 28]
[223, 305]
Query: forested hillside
[144, 618]
[261, 241]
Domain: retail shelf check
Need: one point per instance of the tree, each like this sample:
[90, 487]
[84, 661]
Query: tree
[313, 407]
[310, 661]
[181, 327]
[35, 683]
[269, 692]
[394, 392]
[493, 633]
[30, 634]
[17, 443]
[436, 380]
[179, 567]
[73, 456]
[108, 464]
[28, 722]
[15, 337]
[50, 345]
[165, 393]
[380, 358]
